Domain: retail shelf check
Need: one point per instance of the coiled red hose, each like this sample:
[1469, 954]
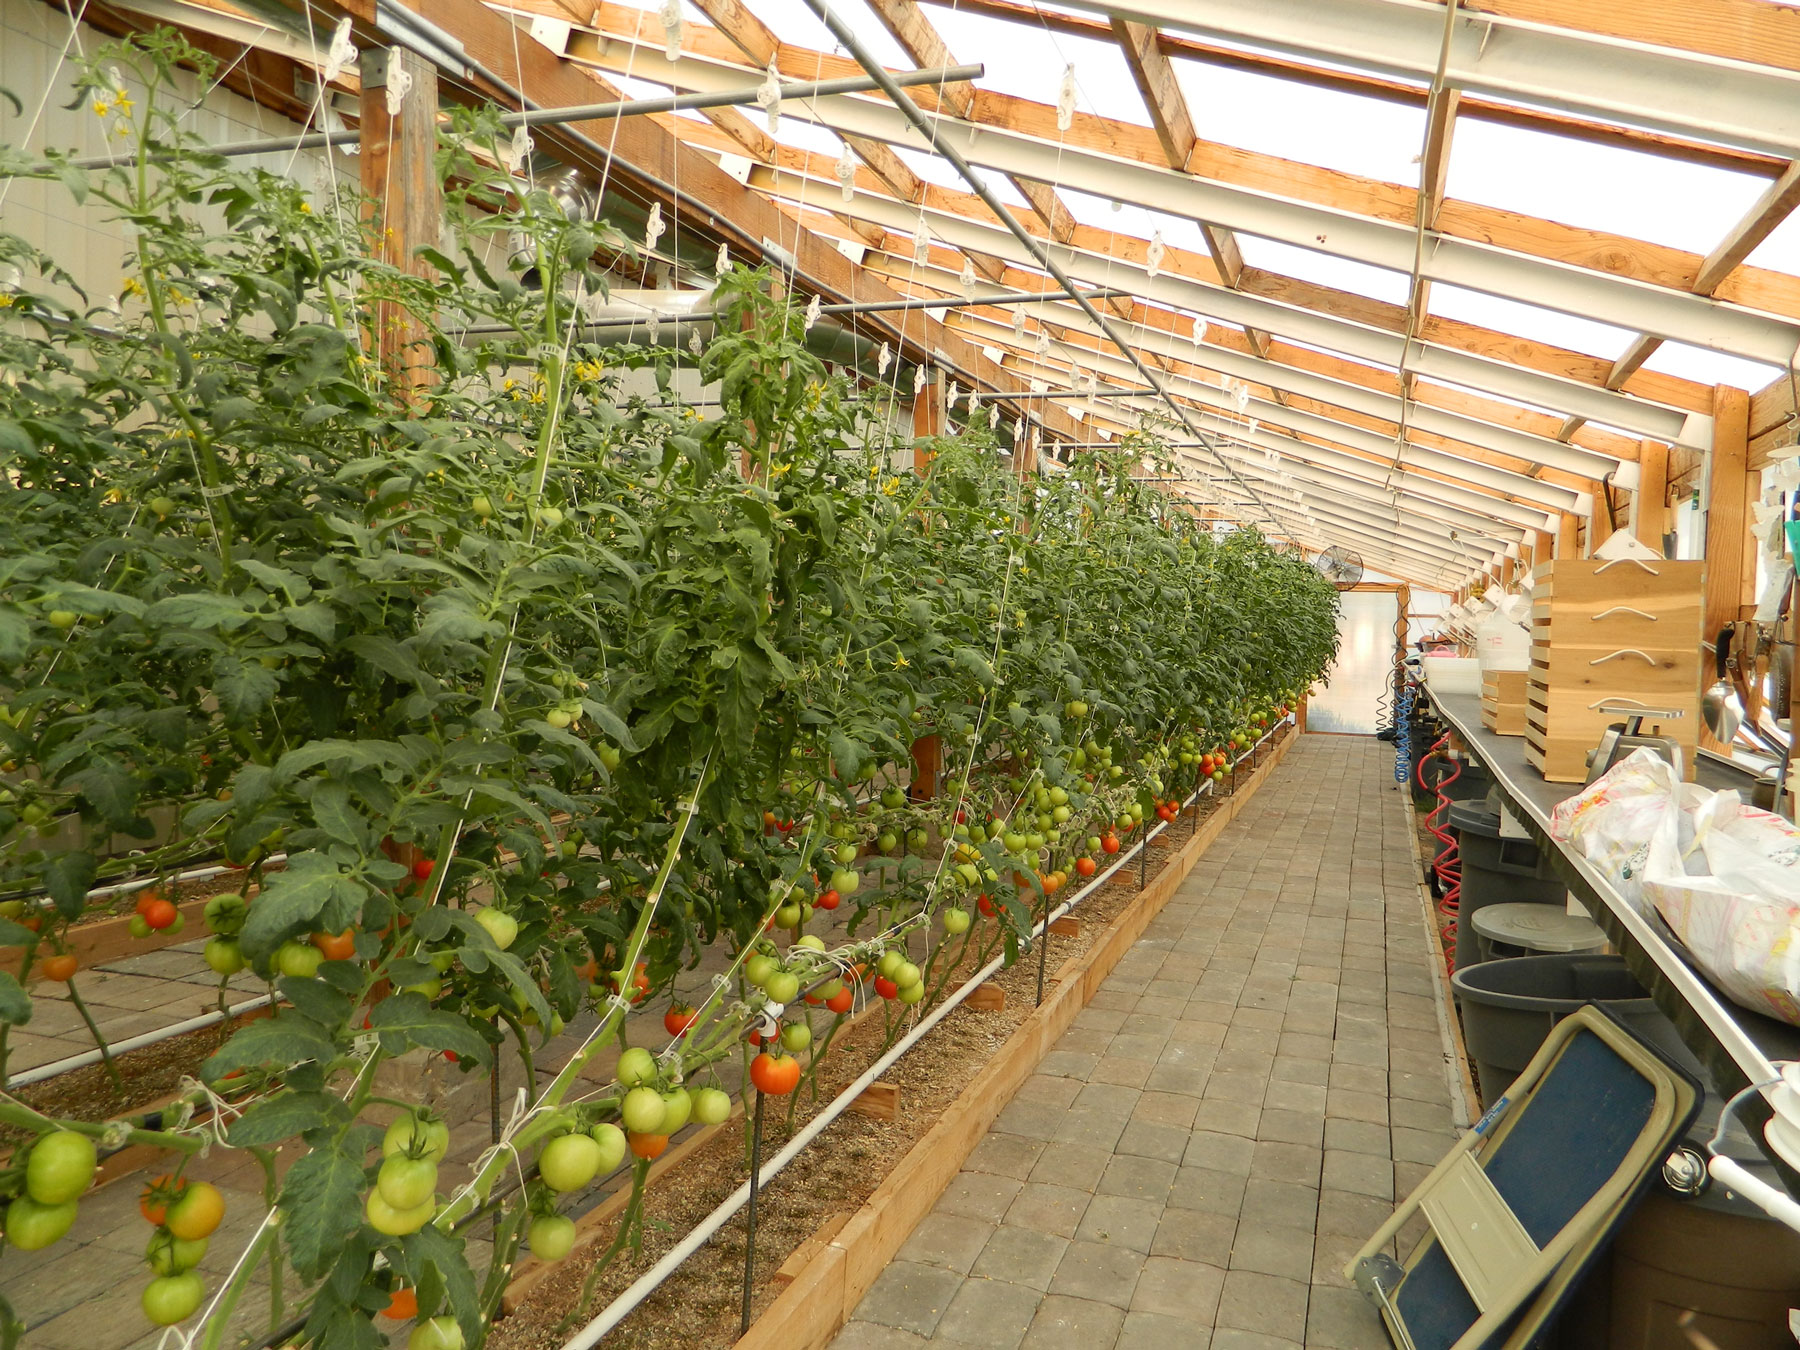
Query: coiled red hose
[1447, 865]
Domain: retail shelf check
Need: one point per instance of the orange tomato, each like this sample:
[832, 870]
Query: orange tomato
[647, 1145]
[60, 967]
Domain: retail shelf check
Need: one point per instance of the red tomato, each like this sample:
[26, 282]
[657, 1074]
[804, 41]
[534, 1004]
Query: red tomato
[886, 987]
[147, 897]
[153, 1203]
[985, 905]
[647, 1145]
[336, 946]
[1086, 867]
[1109, 842]
[423, 868]
[60, 967]
[403, 1306]
[775, 1074]
[160, 914]
[827, 900]
[841, 1002]
[678, 1019]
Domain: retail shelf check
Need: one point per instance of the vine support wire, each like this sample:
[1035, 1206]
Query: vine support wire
[864, 58]
[647, 1283]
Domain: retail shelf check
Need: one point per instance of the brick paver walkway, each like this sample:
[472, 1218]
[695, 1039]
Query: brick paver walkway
[1229, 1119]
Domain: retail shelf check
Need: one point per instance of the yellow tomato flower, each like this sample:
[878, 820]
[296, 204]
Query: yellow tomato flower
[101, 107]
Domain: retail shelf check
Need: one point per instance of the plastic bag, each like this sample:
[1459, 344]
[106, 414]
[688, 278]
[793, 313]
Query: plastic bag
[1731, 892]
[1612, 821]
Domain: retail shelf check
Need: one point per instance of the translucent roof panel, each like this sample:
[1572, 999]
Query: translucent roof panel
[1781, 250]
[1027, 61]
[1529, 321]
[936, 169]
[792, 22]
[1597, 187]
[1373, 137]
[1377, 283]
[1708, 367]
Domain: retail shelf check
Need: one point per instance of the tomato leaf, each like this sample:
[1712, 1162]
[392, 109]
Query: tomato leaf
[15, 1003]
[284, 1116]
[317, 999]
[404, 1020]
[310, 893]
[436, 1265]
[321, 1206]
[279, 1042]
[68, 877]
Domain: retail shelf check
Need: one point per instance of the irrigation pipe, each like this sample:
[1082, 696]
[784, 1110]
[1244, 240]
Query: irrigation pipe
[647, 1283]
[81, 1061]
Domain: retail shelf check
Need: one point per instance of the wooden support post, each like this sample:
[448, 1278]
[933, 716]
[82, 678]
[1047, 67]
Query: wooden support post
[878, 1101]
[1543, 550]
[928, 418]
[1568, 536]
[1649, 504]
[1730, 559]
[398, 164]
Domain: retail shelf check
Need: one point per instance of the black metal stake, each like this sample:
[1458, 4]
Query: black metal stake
[494, 1102]
[1143, 856]
[756, 1128]
[1043, 951]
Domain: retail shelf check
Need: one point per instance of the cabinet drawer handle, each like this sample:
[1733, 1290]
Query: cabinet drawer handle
[1623, 651]
[1621, 609]
[1616, 561]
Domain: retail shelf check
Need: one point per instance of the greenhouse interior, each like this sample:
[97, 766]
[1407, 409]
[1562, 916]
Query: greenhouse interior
[868, 673]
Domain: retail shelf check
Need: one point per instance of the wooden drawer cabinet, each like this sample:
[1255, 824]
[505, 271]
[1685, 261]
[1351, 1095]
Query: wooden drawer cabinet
[1610, 632]
[1503, 701]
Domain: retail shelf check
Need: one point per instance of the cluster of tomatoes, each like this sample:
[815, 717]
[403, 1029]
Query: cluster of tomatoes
[653, 1108]
[58, 1170]
[404, 1197]
[184, 1215]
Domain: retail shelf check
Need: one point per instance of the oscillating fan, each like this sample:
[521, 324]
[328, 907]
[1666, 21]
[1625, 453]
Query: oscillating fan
[1339, 566]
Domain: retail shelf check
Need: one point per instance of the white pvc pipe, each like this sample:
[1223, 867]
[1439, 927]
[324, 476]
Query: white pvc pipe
[647, 1283]
[138, 1042]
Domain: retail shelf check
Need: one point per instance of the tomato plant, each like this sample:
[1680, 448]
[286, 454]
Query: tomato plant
[543, 689]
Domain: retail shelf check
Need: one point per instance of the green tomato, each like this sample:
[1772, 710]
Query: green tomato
[422, 1137]
[907, 976]
[139, 927]
[406, 1183]
[391, 1222]
[501, 927]
[846, 854]
[956, 921]
[677, 1107]
[60, 1167]
[298, 960]
[789, 916]
[63, 618]
[170, 1255]
[711, 1106]
[548, 516]
[812, 942]
[31, 1227]
[913, 993]
[891, 960]
[887, 843]
[795, 1037]
[845, 881]
[570, 1161]
[759, 967]
[439, 1333]
[608, 755]
[552, 1236]
[169, 1299]
[481, 506]
[224, 956]
[782, 987]
[1058, 797]
[612, 1145]
[644, 1111]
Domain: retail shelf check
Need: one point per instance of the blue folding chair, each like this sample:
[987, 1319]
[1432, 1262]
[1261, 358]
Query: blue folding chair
[1525, 1200]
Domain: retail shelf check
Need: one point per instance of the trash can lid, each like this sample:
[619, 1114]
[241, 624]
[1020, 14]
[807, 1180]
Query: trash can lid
[1538, 928]
[1474, 816]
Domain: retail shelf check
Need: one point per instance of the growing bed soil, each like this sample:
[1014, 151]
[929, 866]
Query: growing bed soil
[699, 1305]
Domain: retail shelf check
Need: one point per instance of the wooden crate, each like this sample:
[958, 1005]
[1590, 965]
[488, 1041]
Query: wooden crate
[1503, 701]
[1610, 632]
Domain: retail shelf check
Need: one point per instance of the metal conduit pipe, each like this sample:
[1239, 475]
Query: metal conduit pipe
[586, 112]
[647, 1283]
[927, 128]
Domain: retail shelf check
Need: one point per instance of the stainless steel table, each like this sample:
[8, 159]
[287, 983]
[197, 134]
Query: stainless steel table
[1737, 1047]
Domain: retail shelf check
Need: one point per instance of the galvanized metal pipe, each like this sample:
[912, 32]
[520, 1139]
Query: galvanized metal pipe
[585, 112]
